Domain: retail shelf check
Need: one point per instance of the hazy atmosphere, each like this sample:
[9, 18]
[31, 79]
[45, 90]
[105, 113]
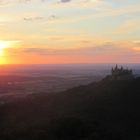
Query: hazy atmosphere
[69, 31]
[69, 69]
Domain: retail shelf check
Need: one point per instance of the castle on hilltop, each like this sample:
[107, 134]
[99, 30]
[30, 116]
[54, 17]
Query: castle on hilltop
[121, 73]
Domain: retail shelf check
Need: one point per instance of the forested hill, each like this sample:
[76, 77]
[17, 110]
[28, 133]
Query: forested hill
[107, 110]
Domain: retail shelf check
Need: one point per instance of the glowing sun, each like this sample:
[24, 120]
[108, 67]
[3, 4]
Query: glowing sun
[3, 45]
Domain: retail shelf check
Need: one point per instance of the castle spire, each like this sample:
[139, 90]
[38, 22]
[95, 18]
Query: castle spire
[121, 73]
[116, 67]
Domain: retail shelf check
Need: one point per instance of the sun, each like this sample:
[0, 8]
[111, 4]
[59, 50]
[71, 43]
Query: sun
[3, 45]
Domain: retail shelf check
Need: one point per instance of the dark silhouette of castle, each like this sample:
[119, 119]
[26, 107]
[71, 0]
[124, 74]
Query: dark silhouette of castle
[121, 73]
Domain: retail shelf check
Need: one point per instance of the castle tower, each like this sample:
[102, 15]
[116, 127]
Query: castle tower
[121, 73]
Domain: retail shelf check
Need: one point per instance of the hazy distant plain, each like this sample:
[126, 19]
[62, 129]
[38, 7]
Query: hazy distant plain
[21, 80]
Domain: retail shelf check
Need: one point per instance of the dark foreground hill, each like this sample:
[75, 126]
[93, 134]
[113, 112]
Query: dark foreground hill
[107, 110]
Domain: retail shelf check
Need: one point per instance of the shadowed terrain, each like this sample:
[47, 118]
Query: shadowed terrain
[105, 110]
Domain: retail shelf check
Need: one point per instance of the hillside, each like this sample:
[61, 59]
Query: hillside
[106, 110]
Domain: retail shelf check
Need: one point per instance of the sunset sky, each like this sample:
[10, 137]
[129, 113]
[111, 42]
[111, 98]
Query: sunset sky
[69, 31]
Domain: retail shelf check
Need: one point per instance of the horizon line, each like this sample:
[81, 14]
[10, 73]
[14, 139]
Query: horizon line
[72, 64]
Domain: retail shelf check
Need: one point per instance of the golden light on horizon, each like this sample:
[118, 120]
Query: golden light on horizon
[7, 44]
[4, 45]
[136, 48]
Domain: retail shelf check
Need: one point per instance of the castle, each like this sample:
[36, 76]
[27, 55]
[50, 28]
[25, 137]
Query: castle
[121, 73]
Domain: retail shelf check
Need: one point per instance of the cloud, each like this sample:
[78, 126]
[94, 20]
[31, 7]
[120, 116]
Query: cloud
[64, 1]
[129, 25]
[137, 49]
[9, 2]
[93, 50]
[5, 2]
[108, 52]
[40, 18]
[100, 9]
[137, 42]
[33, 18]
[52, 17]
